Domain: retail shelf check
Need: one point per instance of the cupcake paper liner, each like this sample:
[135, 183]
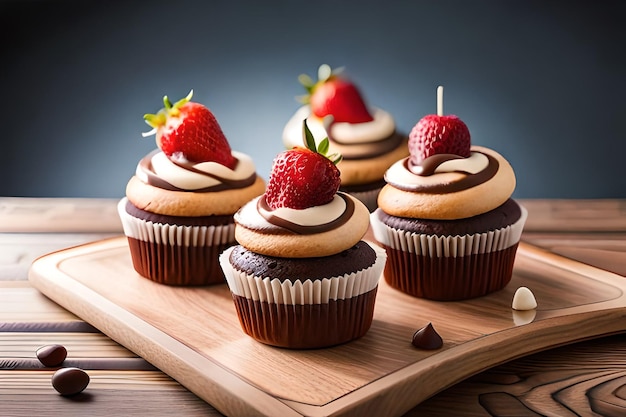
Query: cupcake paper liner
[449, 267]
[306, 326]
[176, 255]
[169, 234]
[309, 314]
[266, 289]
[449, 246]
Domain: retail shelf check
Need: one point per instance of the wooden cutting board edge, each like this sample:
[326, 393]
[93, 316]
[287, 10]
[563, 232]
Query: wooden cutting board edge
[225, 390]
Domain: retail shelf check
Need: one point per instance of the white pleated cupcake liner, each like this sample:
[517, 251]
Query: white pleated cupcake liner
[174, 235]
[298, 292]
[448, 246]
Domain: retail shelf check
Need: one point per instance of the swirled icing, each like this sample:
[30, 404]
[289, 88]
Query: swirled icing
[257, 216]
[365, 138]
[448, 195]
[450, 175]
[326, 233]
[159, 170]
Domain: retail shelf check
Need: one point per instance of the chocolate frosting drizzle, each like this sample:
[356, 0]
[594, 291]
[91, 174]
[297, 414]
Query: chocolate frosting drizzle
[265, 211]
[428, 167]
[225, 183]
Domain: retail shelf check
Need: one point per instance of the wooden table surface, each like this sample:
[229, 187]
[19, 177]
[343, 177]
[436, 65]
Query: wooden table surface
[586, 378]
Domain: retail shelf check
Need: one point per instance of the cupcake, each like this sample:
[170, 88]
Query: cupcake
[301, 276]
[179, 205]
[365, 136]
[446, 217]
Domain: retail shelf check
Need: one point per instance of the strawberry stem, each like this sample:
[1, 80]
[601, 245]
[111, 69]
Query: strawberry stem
[160, 118]
[324, 73]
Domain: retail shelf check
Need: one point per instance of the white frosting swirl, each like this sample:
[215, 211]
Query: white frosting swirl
[446, 172]
[378, 129]
[188, 180]
[312, 216]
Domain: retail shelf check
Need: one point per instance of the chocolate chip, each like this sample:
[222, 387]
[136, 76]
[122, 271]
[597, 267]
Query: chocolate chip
[427, 338]
[70, 381]
[51, 355]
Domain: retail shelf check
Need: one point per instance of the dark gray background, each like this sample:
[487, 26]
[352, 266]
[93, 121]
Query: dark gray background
[542, 82]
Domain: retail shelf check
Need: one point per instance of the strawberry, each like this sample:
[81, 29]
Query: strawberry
[303, 177]
[438, 134]
[335, 96]
[435, 134]
[188, 131]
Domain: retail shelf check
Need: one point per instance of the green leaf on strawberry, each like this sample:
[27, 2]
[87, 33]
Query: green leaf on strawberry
[159, 119]
[323, 146]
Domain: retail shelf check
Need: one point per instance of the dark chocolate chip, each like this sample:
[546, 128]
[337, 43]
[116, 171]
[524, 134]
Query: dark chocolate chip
[427, 338]
[70, 381]
[51, 355]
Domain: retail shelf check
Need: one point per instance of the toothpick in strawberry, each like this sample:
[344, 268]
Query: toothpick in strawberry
[438, 134]
[334, 95]
[303, 177]
[187, 131]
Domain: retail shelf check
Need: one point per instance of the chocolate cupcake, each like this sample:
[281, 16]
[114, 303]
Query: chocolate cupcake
[446, 217]
[366, 136]
[179, 205]
[301, 277]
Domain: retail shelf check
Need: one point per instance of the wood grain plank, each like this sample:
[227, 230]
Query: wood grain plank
[603, 250]
[567, 215]
[131, 363]
[35, 380]
[378, 373]
[21, 303]
[586, 379]
[78, 345]
[18, 251]
[122, 393]
[63, 215]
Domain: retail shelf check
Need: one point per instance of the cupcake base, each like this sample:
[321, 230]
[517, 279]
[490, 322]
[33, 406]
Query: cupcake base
[306, 326]
[178, 251]
[448, 267]
[449, 278]
[177, 265]
[304, 303]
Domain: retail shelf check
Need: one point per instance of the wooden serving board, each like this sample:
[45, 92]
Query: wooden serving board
[193, 334]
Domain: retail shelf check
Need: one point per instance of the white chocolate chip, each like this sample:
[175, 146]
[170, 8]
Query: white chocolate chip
[524, 299]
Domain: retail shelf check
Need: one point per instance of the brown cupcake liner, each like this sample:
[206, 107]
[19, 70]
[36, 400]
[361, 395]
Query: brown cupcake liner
[447, 268]
[305, 315]
[449, 278]
[306, 326]
[176, 255]
[177, 265]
